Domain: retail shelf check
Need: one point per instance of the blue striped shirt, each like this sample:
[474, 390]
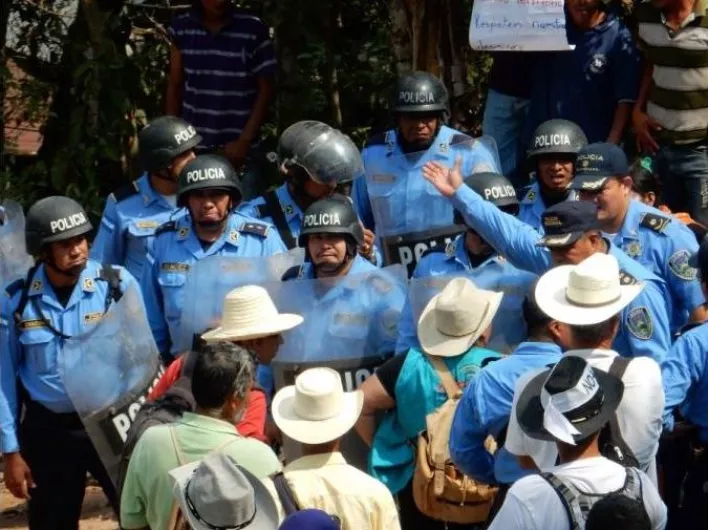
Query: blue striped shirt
[220, 72]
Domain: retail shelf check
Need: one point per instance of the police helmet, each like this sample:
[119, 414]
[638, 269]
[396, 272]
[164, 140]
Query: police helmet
[53, 219]
[208, 171]
[327, 155]
[333, 215]
[163, 139]
[495, 188]
[557, 136]
[420, 92]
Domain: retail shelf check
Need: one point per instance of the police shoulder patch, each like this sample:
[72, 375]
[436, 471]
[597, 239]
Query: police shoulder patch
[627, 279]
[256, 229]
[376, 139]
[13, 288]
[460, 138]
[293, 273]
[639, 323]
[126, 191]
[655, 222]
[169, 226]
[678, 263]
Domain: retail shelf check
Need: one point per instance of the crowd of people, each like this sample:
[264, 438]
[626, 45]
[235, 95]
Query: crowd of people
[437, 331]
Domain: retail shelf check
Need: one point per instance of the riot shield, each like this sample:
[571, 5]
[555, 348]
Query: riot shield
[508, 326]
[411, 215]
[108, 372]
[210, 279]
[14, 260]
[350, 325]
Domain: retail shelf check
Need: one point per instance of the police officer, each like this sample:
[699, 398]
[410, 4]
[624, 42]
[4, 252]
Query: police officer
[63, 297]
[209, 190]
[391, 198]
[572, 234]
[656, 240]
[136, 210]
[552, 156]
[470, 255]
[315, 161]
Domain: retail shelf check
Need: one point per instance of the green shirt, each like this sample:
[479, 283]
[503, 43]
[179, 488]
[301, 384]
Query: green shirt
[147, 494]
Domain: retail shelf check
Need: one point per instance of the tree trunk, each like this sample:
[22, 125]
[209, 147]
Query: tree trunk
[332, 28]
[401, 36]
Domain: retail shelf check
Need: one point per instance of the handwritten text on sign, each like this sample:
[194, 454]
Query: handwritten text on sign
[518, 25]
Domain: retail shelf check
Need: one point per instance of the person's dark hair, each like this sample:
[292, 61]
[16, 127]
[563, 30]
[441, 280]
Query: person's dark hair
[617, 510]
[222, 369]
[644, 180]
[536, 320]
[593, 334]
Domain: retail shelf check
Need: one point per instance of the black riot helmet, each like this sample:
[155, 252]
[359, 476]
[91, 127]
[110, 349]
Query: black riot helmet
[420, 92]
[163, 139]
[557, 137]
[325, 154]
[495, 188]
[333, 215]
[53, 219]
[208, 171]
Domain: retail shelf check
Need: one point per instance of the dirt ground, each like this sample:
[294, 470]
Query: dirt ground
[96, 515]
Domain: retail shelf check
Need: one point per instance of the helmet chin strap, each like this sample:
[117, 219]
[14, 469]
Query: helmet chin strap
[348, 258]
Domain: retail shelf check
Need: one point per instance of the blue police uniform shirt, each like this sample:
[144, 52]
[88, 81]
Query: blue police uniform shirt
[130, 218]
[644, 326]
[495, 274]
[394, 192]
[663, 245]
[293, 213]
[31, 351]
[485, 408]
[176, 247]
[685, 375]
[531, 207]
[586, 85]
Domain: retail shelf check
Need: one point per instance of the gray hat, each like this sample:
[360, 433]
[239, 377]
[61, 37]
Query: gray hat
[216, 493]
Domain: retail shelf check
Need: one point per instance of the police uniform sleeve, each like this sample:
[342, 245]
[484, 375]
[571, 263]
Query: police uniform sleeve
[10, 355]
[682, 279]
[513, 239]
[683, 367]
[107, 246]
[152, 298]
[647, 322]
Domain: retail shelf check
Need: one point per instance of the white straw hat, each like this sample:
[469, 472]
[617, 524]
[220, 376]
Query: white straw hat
[454, 319]
[585, 294]
[316, 409]
[249, 313]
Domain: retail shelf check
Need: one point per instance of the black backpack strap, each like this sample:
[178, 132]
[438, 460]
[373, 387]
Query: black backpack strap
[24, 296]
[112, 277]
[285, 493]
[567, 497]
[626, 457]
[281, 224]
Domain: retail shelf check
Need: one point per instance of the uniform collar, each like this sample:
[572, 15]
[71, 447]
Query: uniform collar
[532, 194]
[316, 461]
[148, 194]
[86, 284]
[188, 236]
[288, 204]
[532, 348]
[439, 150]
[596, 353]
[632, 217]
[360, 266]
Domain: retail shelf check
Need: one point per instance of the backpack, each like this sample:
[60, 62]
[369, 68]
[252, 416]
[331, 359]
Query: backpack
[612, 444]
[577, 504]
[169, 408]
[440, 490]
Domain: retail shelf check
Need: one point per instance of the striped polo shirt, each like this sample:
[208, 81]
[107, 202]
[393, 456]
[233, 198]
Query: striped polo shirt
[221, 71]
[678, 97]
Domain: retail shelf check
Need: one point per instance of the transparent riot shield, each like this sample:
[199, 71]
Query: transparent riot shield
[14, 260]
[508, 326]
[108, 372]
[350, 325]
[411, 215]
[210, 279]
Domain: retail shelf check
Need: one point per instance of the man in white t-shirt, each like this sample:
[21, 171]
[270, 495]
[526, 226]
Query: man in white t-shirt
[587, 331]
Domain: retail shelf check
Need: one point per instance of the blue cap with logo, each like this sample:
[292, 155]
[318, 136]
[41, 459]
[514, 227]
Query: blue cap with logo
[565, 222]
[310, 520]
[595, 164]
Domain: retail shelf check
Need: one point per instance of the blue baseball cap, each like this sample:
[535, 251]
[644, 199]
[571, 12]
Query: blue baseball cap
[310, 520]
[565, 222]
[595, 164]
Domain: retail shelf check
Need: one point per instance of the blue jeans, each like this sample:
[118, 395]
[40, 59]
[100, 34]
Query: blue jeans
[504, 118]
[683, 171]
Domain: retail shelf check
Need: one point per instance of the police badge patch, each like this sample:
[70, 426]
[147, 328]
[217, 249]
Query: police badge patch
[678, 263]
[639, 323]
[633, 249]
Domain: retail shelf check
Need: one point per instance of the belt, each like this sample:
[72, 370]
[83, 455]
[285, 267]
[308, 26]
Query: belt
[36, 412]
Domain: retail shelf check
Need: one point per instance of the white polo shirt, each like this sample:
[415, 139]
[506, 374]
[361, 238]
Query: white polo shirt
[532, 503]
[639, 413]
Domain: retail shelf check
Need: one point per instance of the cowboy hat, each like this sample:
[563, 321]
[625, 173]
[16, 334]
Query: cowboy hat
[217, 493]
[249, 313]
[568, 402]
[585, 294]
[316, 409]
[456, 317]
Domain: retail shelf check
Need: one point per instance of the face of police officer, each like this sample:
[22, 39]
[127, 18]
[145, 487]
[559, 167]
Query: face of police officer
[475, 244]
[327, 251]
[69, 256]
[317, 191]
[612, 200]
[179, 162]
[418, 129]
[555, 171]
[573, 254]
[583, 12]
[209, 207]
